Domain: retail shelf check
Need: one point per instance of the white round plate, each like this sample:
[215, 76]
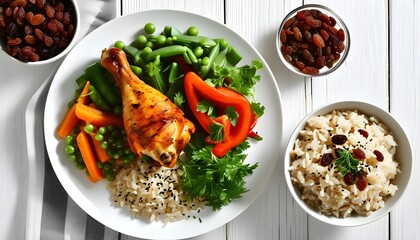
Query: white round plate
[94, 199]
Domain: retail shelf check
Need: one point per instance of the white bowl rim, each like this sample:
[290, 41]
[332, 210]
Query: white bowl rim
[386, 118]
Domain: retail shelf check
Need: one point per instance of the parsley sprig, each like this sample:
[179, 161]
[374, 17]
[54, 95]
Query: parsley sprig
[346, 163]
[218, 180]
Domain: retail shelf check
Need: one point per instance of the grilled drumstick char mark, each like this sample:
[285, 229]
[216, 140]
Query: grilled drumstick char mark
[155, 126]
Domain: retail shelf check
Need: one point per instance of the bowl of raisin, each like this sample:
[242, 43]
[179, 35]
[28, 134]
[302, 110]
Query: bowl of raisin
[38, 32]
[312, 40]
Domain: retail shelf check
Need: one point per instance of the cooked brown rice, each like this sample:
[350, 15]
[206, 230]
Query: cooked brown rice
[324, 187]
[152, 192]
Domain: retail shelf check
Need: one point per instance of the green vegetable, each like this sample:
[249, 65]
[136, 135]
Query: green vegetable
[216, 132]
[346, 163]
[219, 180]
[98, 99]
[206, 106]
[167, 51]
[149, 28]
[212, 56]
[119, 44]
[232, 114]
[96, 78]
[192, 31]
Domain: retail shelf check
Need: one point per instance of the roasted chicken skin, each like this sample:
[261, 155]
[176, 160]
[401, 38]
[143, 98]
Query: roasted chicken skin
[155, 126]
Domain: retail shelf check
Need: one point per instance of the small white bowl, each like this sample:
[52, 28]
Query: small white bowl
[76, 24]
[403, 156]
[339, 24]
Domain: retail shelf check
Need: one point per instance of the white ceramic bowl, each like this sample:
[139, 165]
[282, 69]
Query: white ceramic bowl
[403, 156]
[339, 25]
[76, 24]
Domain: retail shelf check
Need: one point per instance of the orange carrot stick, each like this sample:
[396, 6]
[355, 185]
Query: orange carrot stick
[100, 152]
[88, 155]
[97, 117]
[70, 120]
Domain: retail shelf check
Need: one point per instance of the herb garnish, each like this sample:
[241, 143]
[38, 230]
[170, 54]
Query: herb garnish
[218, 180]
[346, 163]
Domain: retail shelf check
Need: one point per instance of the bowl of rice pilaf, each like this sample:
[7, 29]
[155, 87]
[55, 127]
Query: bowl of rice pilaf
[348, 163]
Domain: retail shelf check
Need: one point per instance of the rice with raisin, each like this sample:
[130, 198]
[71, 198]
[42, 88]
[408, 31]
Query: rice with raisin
[152, 192]
[324, 187]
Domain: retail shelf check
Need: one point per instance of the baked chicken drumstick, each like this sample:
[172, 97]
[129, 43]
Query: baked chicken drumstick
[155, 126]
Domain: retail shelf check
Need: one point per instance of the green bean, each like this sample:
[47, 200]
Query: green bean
[187, 58]
[194, 40]
[170, 31]
[193, 58]
[110, 81]
[233, 56]
[98, 99]
[212, 56]
[155, 75]
[165, 52]
[81, 81]
[96, 77]
[173, 72]
[136, 70]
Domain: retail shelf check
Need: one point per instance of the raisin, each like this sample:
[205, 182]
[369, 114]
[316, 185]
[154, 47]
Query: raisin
[320, 61]
[315, 23]
[379, 155]
[318, 40]
[348, 179]
[339, 139]
[48, 41]
[50, 11]
[299, 64]
[27, 50]
[308, 56]
[341, 34]
[283, 36]
[39, 34]
[289, 23]
[358, 154]
[30, 39]
[297, 34]
[326, 159]
[310, 70]
[361, 183]
[37, 19]
[324, 34]
[14, 42]
[364, 133]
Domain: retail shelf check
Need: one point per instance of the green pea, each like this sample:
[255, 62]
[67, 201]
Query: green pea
[70, 139]
[142, 40]
[104, 144]
[223, 43]
[205, 61]
[168, 40]
[160, 40]
[99, 137]
[102, 130]
[198, 51]
[192, 31]
[107, 166]
[119, 44]
[89, 128]
[149, 28]
[110, 175]
[72, 158]
[110, 128]
[100, 164]
[118, 109]
[150, 44]
[70, 149]
[80, 165]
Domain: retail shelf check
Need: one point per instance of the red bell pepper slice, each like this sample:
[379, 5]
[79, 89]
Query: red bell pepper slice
[197, 90]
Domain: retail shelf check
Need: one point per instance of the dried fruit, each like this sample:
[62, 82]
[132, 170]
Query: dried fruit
[379, 155]
[358, 154]
[326, 159]
[361, 183]
[364, 133]
[339, 139]
[348, 179]
[37, 19]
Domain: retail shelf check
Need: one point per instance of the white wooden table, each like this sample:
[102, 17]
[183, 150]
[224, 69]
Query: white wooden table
[382, 68]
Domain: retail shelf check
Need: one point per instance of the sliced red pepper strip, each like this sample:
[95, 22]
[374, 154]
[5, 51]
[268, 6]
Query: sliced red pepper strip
[197, 90]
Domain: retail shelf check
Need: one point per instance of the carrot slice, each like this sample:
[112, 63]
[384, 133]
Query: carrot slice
[100, 152]
[70, 120]
[97, 117]
[88, 155]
